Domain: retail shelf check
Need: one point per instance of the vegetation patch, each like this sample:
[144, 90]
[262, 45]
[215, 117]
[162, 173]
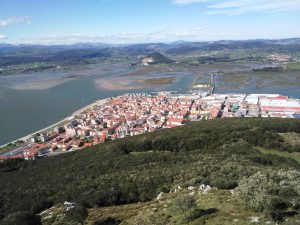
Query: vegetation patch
[291, 138]
[289, 155]
[133, 171]
[293, 66]
[157, 81]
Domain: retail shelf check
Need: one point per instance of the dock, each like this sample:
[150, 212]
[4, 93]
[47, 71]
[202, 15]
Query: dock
[213, 83]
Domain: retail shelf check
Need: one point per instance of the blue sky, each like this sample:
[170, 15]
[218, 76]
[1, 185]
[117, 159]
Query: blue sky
[136, 21]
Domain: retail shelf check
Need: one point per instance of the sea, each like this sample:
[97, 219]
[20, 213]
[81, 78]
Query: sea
[25, 110]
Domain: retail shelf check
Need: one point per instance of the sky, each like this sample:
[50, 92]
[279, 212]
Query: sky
[141, 21]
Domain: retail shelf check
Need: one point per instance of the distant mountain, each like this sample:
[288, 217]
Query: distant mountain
[14, 55]
[284, 45]
[143, 49]
[20, 54]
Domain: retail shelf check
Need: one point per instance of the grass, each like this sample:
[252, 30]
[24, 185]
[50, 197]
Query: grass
[117, 213]
[291, 155]
[223, 207]
[294, 66]
[10, 146]
[54, 216]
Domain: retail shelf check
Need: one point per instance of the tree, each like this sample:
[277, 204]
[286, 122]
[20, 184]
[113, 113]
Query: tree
[255, 191]
[21, 218]
[185, 205]
[270, 191]
[77, 214]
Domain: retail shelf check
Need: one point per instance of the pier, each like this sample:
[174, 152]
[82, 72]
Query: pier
[213, 83]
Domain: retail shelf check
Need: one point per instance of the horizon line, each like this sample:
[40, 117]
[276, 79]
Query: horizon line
[145, 42]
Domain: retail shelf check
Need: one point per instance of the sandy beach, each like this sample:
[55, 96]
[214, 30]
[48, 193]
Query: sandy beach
[114, 83]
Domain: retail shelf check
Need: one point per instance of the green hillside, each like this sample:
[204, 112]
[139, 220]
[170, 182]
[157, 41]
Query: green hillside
[118, 182]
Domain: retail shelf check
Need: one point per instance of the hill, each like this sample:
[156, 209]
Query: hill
[111, 183]
[12, 56]
[155, 58]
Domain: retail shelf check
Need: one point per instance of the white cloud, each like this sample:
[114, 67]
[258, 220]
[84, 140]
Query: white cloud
[2, 37]
[121, 38]
[14, 20]
[187, 2]
[199, 29]
[247, 6]
[238, 7]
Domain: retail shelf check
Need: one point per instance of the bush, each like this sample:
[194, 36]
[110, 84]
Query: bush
[185, 205]
[11, 164]
[223, 183]
[107, 221]
[275, 204]
[21, 218]
[77, 214]
[270, 191]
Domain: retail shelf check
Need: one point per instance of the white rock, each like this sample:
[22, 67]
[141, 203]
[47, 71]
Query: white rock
[254, 219]
[45, 211]
[159, 196]
[69, 205]
[202, 186]
[191, 188]
[192, 193]
[207, 189]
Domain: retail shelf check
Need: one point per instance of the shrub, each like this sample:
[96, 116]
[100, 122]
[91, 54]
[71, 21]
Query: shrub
[223, 183]
[270, 191]
[77, 214]
[185, 205]
[21, 218]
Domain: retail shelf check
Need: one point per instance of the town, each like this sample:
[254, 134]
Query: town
[134, 114]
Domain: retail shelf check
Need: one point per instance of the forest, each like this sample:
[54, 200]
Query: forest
[221, 153]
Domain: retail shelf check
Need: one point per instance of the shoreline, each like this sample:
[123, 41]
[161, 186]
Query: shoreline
[24, 138]
[39, 131]
[81, 110]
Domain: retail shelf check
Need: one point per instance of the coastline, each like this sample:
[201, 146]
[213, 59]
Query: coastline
[97, 102]
[214, 108]
[64, 120]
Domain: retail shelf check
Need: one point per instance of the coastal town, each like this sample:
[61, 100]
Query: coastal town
[134, 114]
